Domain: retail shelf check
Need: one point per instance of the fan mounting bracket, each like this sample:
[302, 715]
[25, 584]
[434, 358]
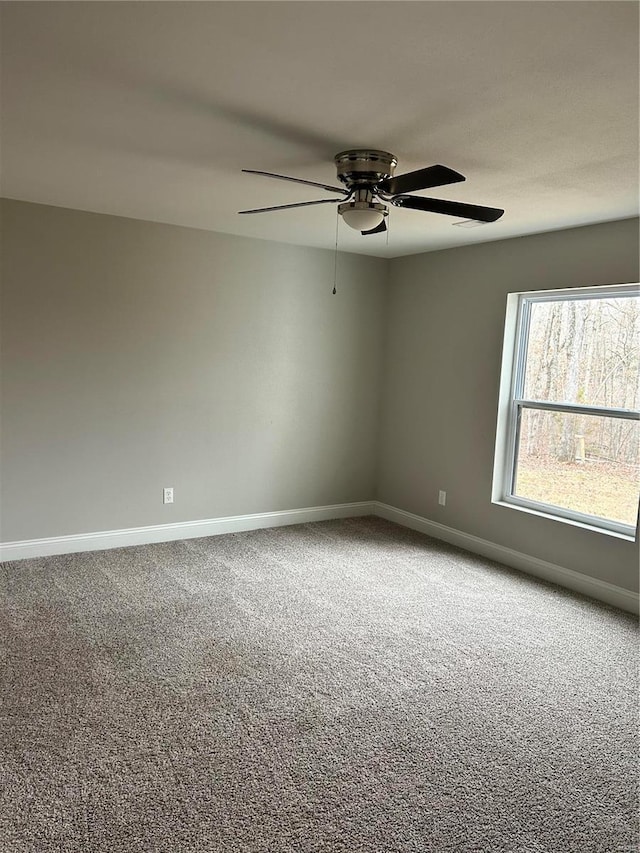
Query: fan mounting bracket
[364, 166]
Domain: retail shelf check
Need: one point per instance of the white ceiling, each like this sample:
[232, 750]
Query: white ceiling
[151, 109]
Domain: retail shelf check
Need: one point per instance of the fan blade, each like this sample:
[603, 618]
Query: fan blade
[298, 181]
[297, 204]
[450, 208]
[379, 229]
[422, 179]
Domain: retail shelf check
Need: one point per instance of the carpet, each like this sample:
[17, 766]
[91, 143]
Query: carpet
[334, 687]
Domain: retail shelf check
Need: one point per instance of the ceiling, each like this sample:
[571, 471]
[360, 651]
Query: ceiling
[151, 109]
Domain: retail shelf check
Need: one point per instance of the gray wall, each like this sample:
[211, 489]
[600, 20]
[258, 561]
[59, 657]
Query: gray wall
[137, 356]
[445, 332]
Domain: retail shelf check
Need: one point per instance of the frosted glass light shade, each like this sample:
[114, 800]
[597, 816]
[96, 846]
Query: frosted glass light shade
[362, 219]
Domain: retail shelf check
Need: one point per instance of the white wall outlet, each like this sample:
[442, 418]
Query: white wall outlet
[167, 495]
[442, 498]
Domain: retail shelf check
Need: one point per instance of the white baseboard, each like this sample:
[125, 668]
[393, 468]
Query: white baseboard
[593, 587]
[601, 590]
[180, 530]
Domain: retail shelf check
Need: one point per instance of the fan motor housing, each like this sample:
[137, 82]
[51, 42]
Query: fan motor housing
[359, 166]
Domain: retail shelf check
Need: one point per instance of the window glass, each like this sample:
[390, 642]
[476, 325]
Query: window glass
[568, 434]
[584, 463]
[584, 351]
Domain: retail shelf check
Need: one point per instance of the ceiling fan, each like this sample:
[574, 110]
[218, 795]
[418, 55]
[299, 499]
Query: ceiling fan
[368, 176]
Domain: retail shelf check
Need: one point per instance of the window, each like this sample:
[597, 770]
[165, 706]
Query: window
[568, 438]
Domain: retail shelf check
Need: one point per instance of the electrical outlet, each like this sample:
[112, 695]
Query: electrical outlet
[167, 495]
[442, 498]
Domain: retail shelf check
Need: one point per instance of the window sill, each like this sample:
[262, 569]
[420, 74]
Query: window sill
[627, 537]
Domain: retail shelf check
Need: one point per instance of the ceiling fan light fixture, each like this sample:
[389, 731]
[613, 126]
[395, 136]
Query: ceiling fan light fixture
[368, 176]
[362, 216]
[362, 220]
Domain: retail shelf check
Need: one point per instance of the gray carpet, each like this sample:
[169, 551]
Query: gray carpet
[343, 686]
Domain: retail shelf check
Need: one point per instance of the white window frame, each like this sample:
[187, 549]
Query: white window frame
[512, 402]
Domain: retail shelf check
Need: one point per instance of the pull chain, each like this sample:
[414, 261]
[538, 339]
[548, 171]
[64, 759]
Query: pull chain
[335, 261]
